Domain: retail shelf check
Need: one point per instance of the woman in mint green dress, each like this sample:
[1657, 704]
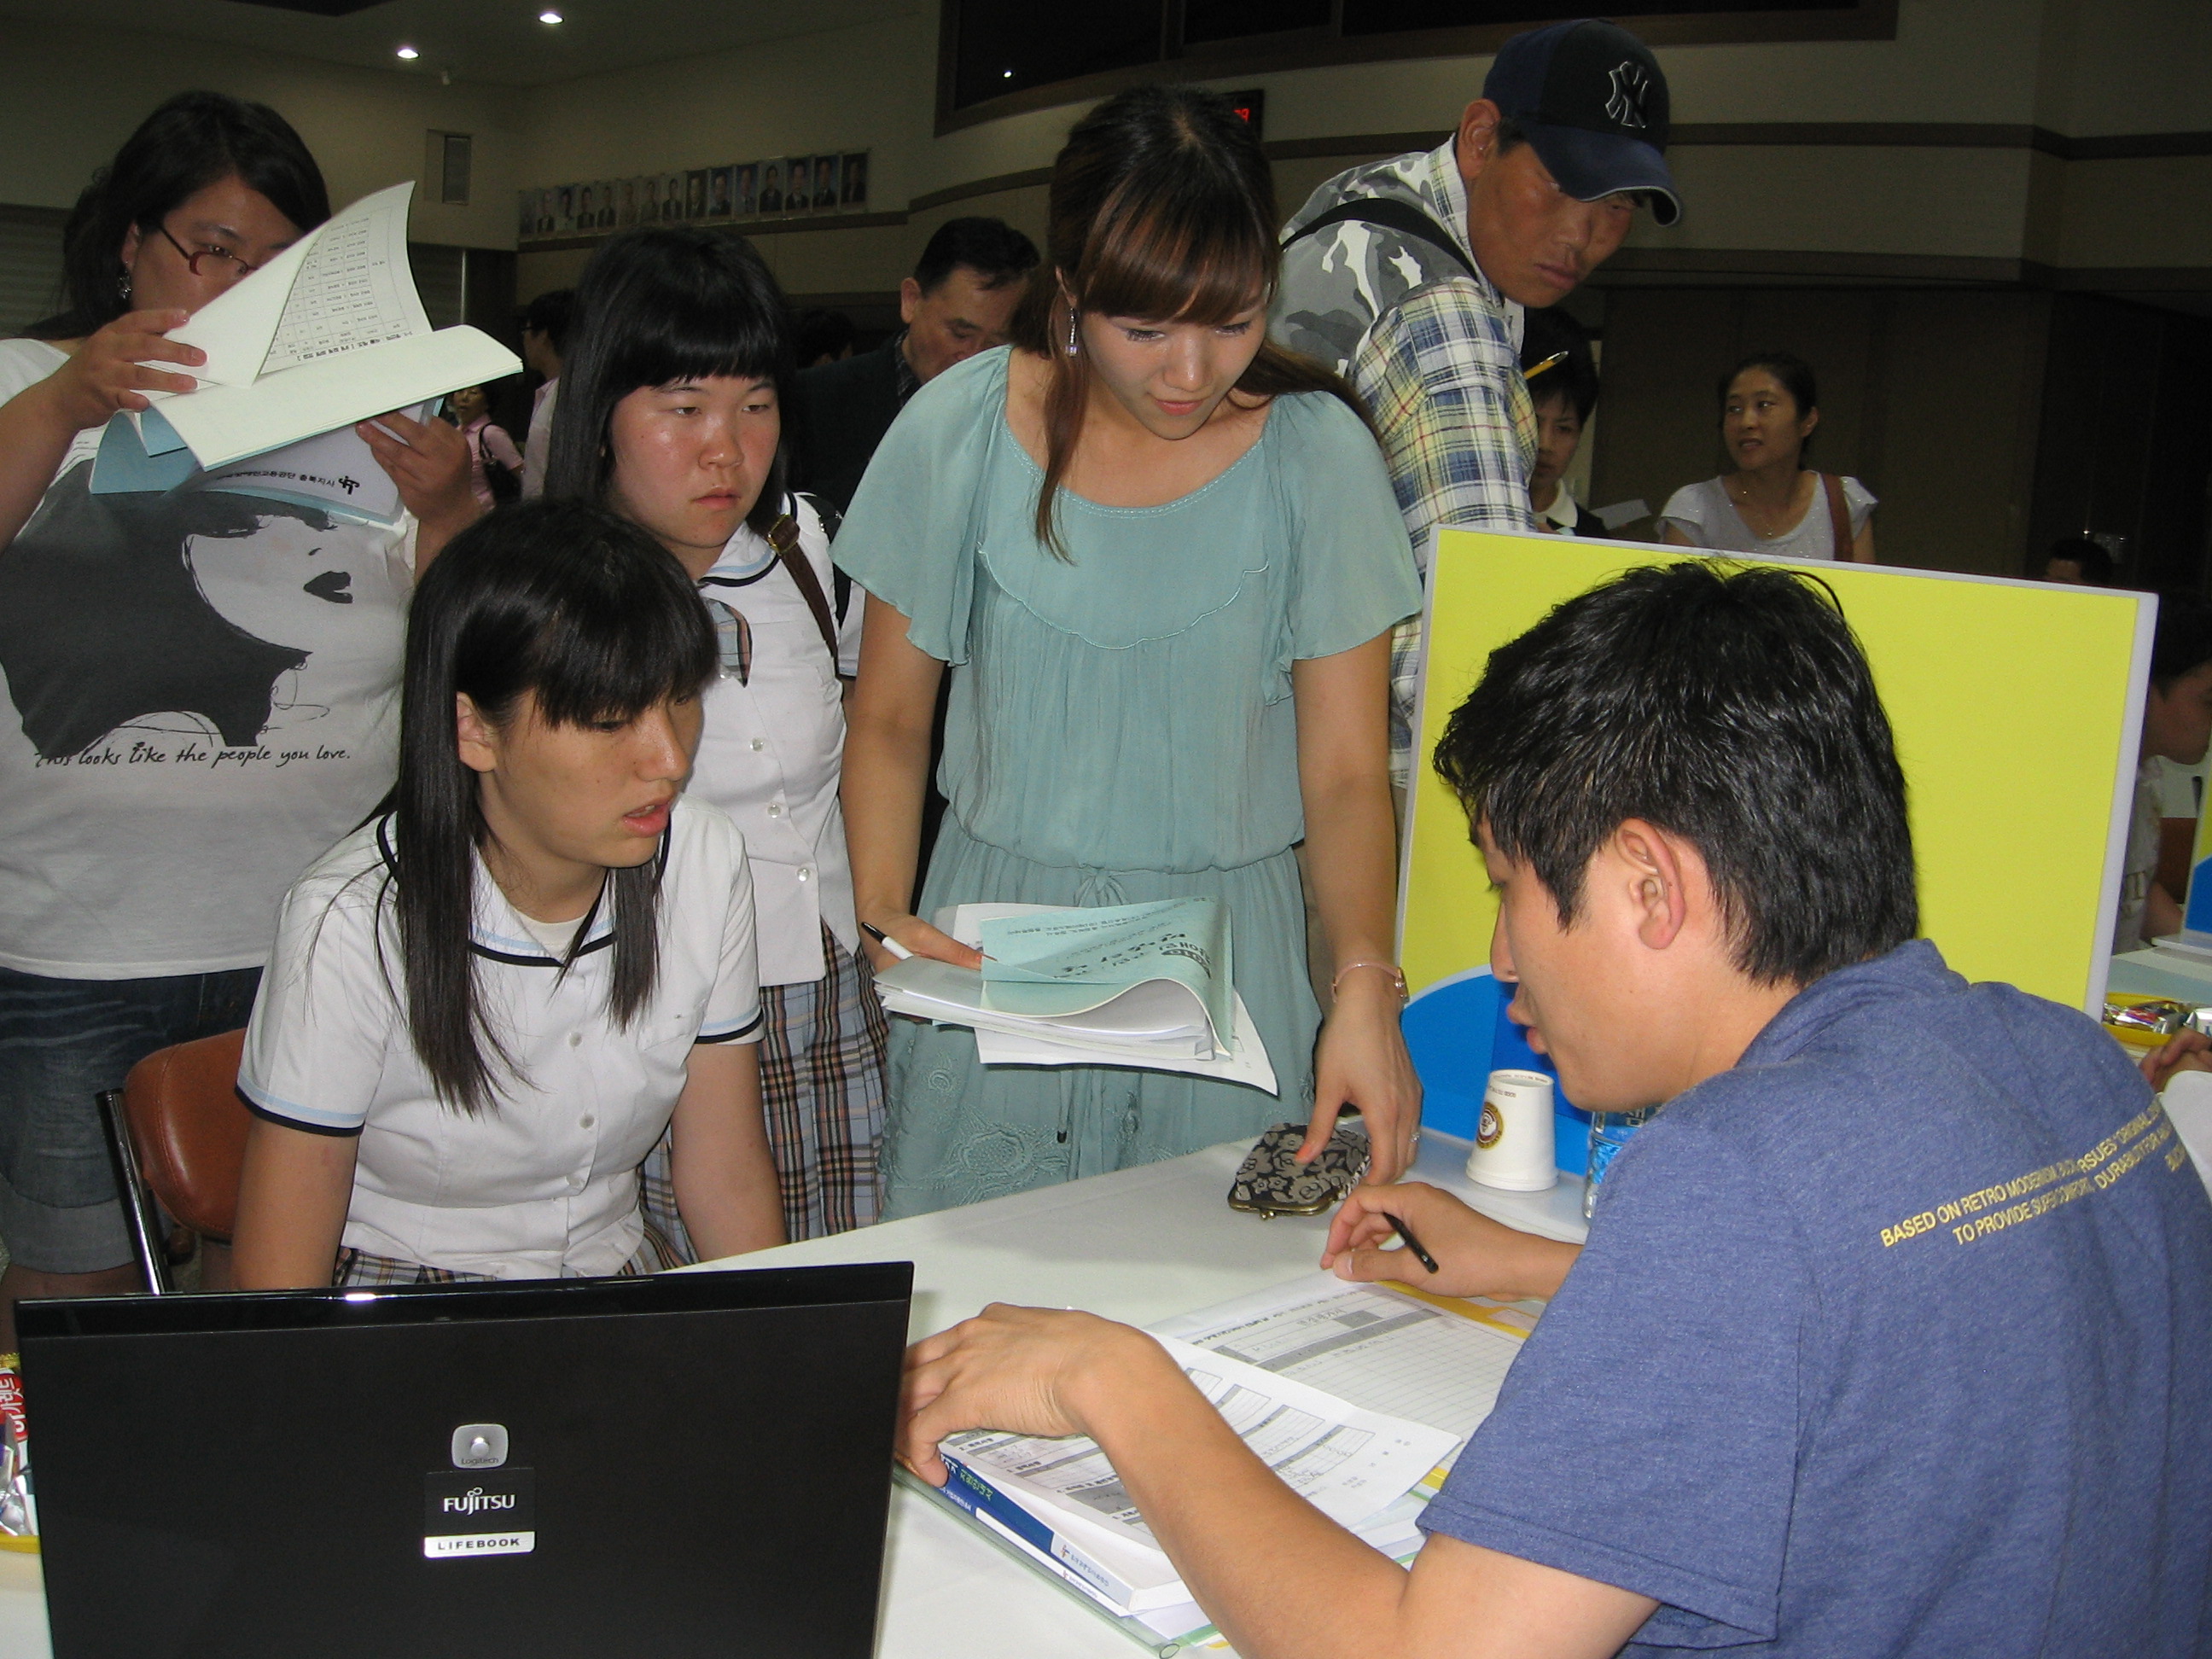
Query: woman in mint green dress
[1163, 558]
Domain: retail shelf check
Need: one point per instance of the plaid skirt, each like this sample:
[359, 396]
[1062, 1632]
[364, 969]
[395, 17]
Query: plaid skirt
[361, 1268]
[821, 1091]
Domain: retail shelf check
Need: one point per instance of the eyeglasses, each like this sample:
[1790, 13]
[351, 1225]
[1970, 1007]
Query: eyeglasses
[223, 261]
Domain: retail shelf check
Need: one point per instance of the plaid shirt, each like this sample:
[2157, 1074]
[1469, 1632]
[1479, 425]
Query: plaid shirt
[1436, 354]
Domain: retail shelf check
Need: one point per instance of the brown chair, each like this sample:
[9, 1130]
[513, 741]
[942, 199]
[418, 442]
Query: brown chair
[177, 1128]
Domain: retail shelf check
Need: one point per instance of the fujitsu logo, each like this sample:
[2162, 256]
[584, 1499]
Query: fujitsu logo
[477, 1499]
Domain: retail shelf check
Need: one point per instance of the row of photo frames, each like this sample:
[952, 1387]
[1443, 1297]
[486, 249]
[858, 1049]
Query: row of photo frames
[777, 188]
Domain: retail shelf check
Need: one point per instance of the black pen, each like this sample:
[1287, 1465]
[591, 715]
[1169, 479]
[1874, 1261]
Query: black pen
[1413, 1244]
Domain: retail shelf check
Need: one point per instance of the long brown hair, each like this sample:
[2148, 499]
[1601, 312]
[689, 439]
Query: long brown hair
[1163, 206]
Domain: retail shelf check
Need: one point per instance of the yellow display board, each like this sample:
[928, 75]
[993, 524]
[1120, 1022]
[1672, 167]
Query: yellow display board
[2017, 709]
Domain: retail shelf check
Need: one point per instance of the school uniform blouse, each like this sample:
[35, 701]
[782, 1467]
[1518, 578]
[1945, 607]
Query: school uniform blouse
[772, 744]
[544, 1183]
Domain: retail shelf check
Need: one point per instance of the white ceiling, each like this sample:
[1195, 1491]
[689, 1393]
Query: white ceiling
[499, 41]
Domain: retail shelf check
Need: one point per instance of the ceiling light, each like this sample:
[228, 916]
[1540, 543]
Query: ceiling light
[549, 16]
[1006, 75]
[409, 54]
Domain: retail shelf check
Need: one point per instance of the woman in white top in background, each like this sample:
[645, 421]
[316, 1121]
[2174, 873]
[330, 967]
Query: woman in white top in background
[1772, 503]
[199, 690]
[487, 1004]
[679, 352]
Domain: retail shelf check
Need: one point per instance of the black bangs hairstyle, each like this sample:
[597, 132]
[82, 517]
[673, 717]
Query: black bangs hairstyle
[1163, 207]
[194, 140]
[588, 613]
[657, 305]
[1732, 707]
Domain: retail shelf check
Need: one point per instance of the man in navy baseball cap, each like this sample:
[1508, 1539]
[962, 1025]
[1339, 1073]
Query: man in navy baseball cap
[1409, 277]
[1591, 100]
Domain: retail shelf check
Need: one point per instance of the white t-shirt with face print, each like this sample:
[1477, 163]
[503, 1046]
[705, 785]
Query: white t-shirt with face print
[202, 694]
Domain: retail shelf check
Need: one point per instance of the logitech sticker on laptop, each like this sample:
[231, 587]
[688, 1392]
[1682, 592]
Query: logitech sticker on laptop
[479, 1512]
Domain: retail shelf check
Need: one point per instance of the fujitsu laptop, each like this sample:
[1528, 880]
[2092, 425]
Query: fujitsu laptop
[687, 1464]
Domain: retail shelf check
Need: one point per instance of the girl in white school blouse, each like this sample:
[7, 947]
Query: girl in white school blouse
[486, 1005]
[671, 414]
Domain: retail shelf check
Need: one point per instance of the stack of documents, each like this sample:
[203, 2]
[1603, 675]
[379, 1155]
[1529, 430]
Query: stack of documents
[329, 333]
[1142, 985]
[1360, 1397]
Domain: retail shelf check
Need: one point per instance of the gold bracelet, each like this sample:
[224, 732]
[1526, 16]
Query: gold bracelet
[1397, 977]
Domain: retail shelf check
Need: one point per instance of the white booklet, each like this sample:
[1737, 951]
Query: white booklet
[1348, 1463]
[1160, 974]
[1303, 1370]
[329, 332]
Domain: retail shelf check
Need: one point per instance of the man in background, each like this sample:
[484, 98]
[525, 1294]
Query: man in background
[544, 336]
[1409, 277]
[960, 300]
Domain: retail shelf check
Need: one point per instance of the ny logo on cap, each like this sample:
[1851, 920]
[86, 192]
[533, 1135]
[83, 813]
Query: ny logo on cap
[1631, 85]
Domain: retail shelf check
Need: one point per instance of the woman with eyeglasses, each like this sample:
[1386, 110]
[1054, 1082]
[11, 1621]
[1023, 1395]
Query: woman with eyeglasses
[680, 350]
[202, 687]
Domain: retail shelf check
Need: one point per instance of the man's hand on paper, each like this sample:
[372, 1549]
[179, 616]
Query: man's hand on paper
[917, 939]
[1474, 1256]
[2188, 1051]
[112, 368]
[1361, 1061]
[1025, 1371]
[430, 462]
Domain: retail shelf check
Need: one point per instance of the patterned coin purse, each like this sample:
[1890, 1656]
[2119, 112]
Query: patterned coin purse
[1271, 1182]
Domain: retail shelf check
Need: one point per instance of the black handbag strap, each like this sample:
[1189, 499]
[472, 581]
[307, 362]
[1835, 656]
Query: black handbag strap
[1390, 214]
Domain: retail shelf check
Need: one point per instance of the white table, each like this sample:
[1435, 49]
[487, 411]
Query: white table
[1139, 1245]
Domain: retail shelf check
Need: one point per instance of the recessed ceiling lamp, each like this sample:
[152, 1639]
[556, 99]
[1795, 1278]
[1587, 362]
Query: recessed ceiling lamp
[549, 16]
[409, 54]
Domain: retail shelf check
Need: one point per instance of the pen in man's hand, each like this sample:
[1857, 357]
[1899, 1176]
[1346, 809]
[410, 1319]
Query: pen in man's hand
[1421, 1253]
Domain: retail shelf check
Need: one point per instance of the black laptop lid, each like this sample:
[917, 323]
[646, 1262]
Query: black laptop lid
[687, 1464]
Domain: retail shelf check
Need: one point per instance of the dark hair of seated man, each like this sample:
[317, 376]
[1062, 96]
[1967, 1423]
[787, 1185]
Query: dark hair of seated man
[1769, 751]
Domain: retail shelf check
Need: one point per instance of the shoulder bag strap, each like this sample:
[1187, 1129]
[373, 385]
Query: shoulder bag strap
[1391, 214]
[1839, 514]
[783, 537]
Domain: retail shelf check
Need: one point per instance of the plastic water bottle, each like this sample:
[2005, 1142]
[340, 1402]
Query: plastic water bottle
[1608, 1133]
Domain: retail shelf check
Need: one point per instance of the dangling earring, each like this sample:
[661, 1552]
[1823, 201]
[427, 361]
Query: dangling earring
[123, 285]
[1071, 342]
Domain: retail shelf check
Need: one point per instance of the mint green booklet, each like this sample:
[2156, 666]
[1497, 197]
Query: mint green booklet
[1070, 955]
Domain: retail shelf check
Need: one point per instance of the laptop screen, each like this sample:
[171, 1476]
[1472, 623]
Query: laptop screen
[688, 1463]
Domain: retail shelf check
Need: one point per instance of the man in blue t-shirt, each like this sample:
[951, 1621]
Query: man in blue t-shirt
[1893, 1333]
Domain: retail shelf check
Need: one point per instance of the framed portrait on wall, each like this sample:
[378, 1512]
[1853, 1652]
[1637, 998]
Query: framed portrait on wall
[771, 184]
[825, 183]
[853, 184]
[648, 199]
[609, 217]
[695, 194]
[718, 192]
[744, 189]
[564, 216]
[798, 184]
[671, 199]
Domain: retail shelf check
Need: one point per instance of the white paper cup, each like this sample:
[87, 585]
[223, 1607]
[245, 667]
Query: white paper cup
[1513, 1146]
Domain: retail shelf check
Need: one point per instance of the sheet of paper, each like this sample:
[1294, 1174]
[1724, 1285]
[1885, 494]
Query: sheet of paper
[225, 423]
[354, 288]
[1438, 1362]
[345, 284]
[1186, 940]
